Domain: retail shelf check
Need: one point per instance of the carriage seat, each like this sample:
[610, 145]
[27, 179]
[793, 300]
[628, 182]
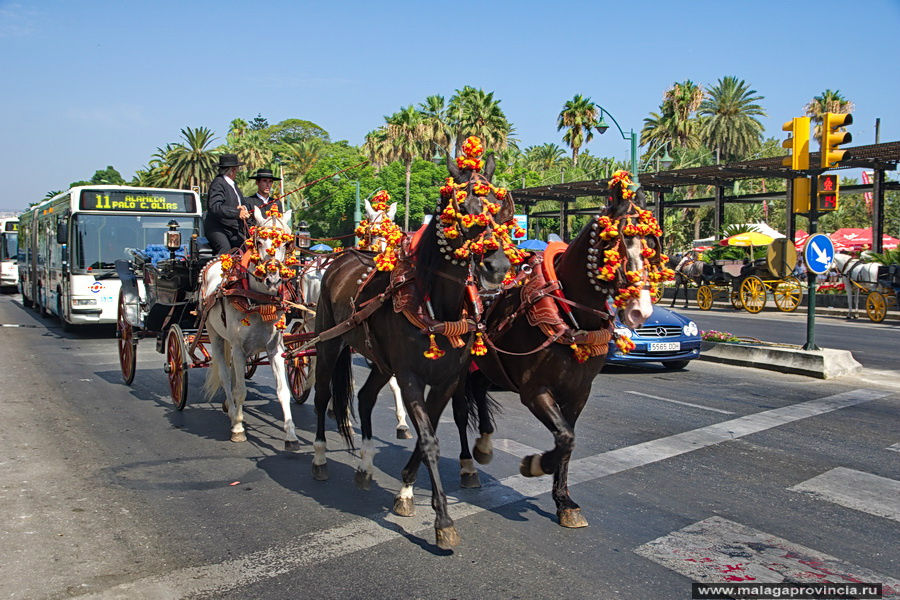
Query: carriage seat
[158, 252]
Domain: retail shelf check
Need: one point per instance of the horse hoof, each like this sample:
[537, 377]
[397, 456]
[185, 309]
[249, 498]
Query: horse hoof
[447, 537]
[239, 437]
[403, 433]
[469, 480]
[404, 507]
[363, 480]
[530, 466]
[571, 517]
[292, 445]
[483, 458]
[320, 472]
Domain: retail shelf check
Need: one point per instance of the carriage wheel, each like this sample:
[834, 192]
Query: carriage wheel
[177, 366]
[656, 297]
[787, 294]
[250, 367]
[704, 297]
[735, 297]
[753, 294]
[298, 370]
[127, 343]
[876, 307]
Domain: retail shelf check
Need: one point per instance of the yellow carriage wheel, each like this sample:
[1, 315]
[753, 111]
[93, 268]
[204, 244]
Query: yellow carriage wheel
[876, 306]
[657, 295]
[704, 297]
[735, 297]
[787, 294]
[753, 294]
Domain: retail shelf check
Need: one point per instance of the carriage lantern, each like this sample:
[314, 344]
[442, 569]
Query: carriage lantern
[173, 238]
[303, 239]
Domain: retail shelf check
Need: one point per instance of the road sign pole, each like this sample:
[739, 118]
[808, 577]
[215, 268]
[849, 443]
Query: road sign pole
[811, 278]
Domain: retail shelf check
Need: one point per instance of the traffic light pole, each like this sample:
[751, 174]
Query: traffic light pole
[811, 277]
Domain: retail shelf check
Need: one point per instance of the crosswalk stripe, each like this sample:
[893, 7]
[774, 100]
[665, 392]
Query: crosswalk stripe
[681, 402]
[861, 491]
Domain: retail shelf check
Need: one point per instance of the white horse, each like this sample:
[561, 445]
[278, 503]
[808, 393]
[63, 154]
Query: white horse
[234, 335]
[853, 269]
[310, 288]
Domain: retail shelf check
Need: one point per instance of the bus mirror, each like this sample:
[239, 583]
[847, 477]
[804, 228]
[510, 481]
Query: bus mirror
[62, 232]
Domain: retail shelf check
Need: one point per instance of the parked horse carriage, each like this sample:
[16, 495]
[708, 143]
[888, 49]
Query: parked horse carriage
[880, 284]
[161, 298]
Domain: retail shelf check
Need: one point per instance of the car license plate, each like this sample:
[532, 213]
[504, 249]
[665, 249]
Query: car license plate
[664, 346]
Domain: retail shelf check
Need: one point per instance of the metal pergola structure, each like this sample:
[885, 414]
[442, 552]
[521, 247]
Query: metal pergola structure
[877, 157]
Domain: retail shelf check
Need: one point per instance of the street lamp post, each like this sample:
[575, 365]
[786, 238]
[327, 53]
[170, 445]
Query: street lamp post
[631, 137]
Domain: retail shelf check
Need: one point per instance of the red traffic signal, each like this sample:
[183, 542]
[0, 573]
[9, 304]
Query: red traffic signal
[827, 192]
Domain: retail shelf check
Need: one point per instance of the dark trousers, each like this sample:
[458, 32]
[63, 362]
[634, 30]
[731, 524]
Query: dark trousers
[223, 241]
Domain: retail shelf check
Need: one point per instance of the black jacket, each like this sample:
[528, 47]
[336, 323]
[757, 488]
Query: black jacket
[255, 200]
[222, 207]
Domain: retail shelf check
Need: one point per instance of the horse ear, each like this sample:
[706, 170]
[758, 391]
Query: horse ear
[369, 210]
[257, 214]
[392, 210]
[286, 218]
[489, 165]
[454, 170]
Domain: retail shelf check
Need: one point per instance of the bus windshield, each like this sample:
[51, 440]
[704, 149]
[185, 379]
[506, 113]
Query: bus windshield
[10, 247]
[98, 240]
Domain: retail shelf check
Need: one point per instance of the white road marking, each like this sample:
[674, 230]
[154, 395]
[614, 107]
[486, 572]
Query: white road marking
[861, 491]
[314, 548]
[718, 410]
[717, 550]
[515, 448]
[894, 447]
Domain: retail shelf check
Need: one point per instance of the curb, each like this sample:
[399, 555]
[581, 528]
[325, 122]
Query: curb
[826, 363]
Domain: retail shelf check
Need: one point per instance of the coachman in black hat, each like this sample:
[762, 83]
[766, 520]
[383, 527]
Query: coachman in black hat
[263, 197]
[227, 209]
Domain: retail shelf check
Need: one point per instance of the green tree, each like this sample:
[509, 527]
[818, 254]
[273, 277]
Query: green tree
[436, 129]
[473, 111]
[107, 176]
[193, 162]
[259, 123]
[676, 123]
[291, 131]
[545, 157]
[731, 126]
[827, 101]
[578, 117]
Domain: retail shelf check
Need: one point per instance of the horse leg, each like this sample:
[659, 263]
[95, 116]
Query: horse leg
[220, 363]
[239, 387]
[275, 349]
[367, 396]
[543, 406]
[326, 353]
[476, 391]
[399, 410]
[468, 475]
[675, 294]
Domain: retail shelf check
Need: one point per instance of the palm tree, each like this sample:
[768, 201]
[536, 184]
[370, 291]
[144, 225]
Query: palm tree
[674, 124]
[193, 163]
[475, 112]
[579, 115]
[402, 138]
[434, 117]
[730, 125]
[827, 101]
[544, 157]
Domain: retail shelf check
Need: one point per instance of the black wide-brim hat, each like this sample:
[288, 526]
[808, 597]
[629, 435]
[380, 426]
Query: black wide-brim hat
[229, 160]
[265, 174]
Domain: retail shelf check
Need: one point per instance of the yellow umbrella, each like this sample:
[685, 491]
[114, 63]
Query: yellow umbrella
[751, 238]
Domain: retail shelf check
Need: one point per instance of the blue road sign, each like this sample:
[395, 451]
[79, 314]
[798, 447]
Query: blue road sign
[819, 253]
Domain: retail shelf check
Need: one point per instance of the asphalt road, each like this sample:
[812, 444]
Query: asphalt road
[874, 345]
[108, 492]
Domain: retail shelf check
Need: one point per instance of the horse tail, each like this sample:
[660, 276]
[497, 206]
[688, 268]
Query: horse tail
[342, 394]
[213, 382]
[479, 404]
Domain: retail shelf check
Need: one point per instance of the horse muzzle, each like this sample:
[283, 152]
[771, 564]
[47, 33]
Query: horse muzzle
[637, 310]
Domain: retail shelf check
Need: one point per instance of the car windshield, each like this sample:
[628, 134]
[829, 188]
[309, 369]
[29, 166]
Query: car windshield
[98, 240]
[10, 246]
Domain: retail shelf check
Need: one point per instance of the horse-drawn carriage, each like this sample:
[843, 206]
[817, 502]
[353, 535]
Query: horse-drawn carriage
[878, 282]
[160, 298]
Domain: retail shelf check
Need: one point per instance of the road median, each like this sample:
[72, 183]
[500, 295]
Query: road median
[827, 363]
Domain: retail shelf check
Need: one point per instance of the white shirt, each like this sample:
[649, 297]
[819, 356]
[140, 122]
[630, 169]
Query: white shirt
[234, 187]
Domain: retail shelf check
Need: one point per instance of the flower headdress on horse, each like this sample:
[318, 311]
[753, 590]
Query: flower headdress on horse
[382, 231]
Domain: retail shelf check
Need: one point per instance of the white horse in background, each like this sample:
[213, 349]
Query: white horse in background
[853, 269]
[235, 335]
[310, 289]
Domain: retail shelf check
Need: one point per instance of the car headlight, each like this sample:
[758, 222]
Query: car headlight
[690, 329]
[624, 332]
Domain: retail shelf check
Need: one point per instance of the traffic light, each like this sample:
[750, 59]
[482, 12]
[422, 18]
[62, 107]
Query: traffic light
[800, 195]
[798, 143]
[832, 138]
[827, 193]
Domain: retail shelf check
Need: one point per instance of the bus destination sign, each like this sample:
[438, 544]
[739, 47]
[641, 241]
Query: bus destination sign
[150, 201]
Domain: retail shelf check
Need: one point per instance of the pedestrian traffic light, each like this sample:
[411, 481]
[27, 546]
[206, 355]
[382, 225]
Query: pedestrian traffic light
[832, 138]
[798, 143]
[827, 193]
[800, 195]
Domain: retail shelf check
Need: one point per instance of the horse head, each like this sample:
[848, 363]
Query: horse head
[379, 214]
[625, 258]
[272, 246]
[474, 224]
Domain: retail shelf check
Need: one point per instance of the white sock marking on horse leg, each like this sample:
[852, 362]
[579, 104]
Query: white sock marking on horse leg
[319, 455]
[466, 466]
[406, 491]
[536, 469]
[399, 409]
[282, 390]
[484, 444]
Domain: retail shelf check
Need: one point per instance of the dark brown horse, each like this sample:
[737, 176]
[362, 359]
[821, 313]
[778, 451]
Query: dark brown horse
[444, 269]
[618, 256]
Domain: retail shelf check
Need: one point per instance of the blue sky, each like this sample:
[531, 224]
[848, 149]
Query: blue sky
[89, 84]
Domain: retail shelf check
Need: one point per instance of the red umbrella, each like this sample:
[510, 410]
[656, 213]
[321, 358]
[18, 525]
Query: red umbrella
[800, 238]
[850, 238]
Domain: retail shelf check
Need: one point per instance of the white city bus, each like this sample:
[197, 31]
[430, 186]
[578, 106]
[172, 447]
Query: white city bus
[69, 245]
[9, 249]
